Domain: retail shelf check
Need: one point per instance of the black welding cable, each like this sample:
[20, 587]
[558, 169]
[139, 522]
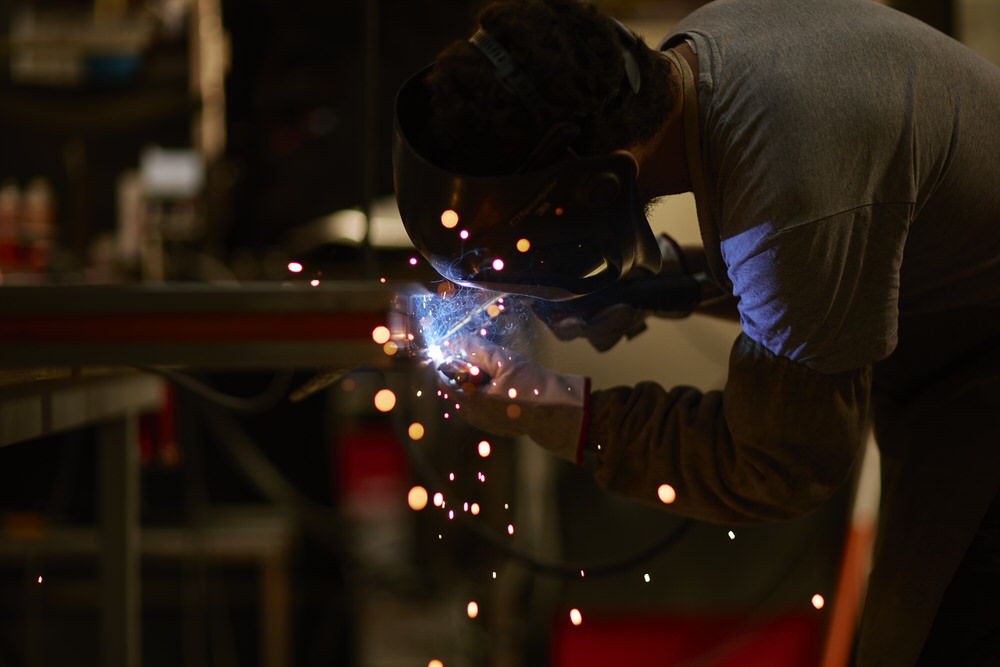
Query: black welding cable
[269, 398]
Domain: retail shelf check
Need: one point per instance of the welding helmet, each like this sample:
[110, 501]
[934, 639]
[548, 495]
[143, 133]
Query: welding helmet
[557, 232]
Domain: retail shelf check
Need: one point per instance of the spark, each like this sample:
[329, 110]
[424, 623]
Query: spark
[413, 261]
[732, 535]
[390, 348]
[581, 574]
[512, 393]
[559, 210]
[575, 617]
[484, 449]
[39, 578]
[385, 400]
[381, 334]
[415, 431]
[435, 663]
[295, 267]
[666, 494]
[451, 514]
[474, 509]
[646, 577]
[510, 529]
[481, 477]
[465, 506]
[464, 234]
[451, 477]
[498, 264]
[449, 219]
[523, 245]
[314, 282]
[382, 280]
[494, 574]
[472, 609]
[417, 498]
[438, 499]
[818, 601]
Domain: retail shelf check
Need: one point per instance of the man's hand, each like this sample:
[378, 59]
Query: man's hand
[603, 324]
[521, 397]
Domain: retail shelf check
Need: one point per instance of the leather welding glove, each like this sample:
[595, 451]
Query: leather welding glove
[609, 325]
[521, 397]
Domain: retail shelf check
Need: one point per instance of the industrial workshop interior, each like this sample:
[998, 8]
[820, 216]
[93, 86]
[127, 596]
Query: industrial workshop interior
[220, 443]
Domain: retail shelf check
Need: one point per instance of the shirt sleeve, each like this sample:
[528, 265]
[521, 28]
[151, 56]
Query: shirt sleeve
[778, 441]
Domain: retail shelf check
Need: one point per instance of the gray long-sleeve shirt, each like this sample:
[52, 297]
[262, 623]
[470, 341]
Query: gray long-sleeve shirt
[852, 163]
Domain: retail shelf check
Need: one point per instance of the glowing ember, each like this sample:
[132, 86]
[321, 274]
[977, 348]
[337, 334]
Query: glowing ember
[581, 574]
[435, 663]
[474, 509]
[438, 499]
[645, 577]
[385, 400]
[381, 334]
[464, 234]
[416, 431]
[575, 617]
[818, 601]
[494, 575]
[523, 245]
[465, 507]
[451, 514]
[451, 477]
[510, 529]
[449, 219]
[559, 210]
[417, 498]
[732, 535]
[472, 609]
[39, 578]
[484, 449]
[512, 393]
[382, 280]
[295, 267]
[474, 371]
[498, 264]
[314, 282]
[666, 494]
[413, 261]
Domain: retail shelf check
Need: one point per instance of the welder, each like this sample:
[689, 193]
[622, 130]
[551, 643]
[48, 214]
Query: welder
[845, 164]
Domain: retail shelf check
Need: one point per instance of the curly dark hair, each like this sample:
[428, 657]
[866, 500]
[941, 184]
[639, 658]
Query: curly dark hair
[573, 54]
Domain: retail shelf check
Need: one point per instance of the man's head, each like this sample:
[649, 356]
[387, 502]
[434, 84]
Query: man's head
[573, 56]
[505, 155]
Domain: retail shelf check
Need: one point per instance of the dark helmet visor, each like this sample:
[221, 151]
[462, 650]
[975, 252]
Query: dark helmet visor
[566, 230]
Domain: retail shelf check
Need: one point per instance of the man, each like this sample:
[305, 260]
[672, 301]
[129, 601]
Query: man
[845, 161]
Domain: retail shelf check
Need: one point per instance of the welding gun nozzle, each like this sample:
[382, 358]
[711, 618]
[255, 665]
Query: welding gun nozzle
[461, 372]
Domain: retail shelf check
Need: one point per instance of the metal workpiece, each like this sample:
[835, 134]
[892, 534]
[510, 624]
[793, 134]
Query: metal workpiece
[255, 325]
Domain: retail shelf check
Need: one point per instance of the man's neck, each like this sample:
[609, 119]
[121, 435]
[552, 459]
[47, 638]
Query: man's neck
[663, 163]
